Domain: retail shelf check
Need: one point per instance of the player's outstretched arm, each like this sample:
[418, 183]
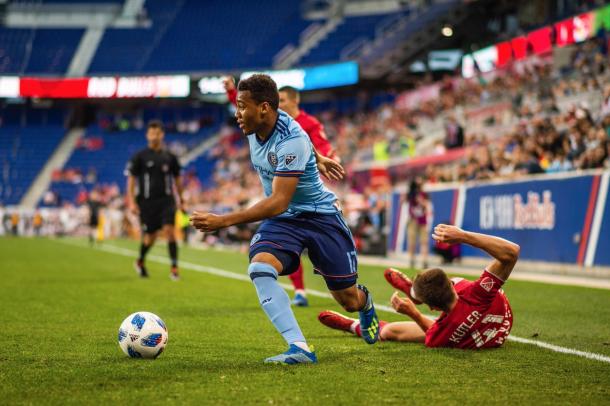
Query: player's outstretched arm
[275, 204]
[329, 168]
[504, 252]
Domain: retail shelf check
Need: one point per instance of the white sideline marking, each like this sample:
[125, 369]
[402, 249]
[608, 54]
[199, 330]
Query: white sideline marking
[242, 277]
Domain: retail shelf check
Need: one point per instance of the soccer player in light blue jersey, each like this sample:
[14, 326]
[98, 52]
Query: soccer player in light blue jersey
[298, 212]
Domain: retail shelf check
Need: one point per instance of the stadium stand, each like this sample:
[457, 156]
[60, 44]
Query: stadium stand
[37, 51]
[350, 29]
[23, 153]
[211, 47]
[101, 156]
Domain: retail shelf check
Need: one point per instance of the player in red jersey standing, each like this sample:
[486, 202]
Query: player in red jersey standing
[474, 314]
[289, 102]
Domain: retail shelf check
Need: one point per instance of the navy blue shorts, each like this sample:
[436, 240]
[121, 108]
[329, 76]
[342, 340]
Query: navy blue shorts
[328, 241]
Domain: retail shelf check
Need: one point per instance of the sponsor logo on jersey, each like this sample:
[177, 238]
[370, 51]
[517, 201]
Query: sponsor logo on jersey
[493, 318]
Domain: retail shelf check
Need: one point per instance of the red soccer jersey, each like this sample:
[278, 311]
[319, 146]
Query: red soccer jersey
[316, 133]
[232, 96]
[482, 317]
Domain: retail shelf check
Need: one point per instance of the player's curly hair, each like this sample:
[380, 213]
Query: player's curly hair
[433, 287]
[262, 89]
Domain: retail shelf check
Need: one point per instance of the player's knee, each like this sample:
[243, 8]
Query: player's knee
[170, 234]
[148, 239]
[261, 270]
[269, 259]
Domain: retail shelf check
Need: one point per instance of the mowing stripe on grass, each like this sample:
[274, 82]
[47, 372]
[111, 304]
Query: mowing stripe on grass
[243, 277]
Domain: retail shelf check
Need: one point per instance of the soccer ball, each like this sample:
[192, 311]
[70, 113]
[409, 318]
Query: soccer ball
[143, 335]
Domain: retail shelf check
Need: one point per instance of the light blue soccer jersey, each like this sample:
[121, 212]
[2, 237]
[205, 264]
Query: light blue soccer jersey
[289, 152]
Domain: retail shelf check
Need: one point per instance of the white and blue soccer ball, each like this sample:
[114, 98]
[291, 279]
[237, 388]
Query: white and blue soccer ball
[143, 335]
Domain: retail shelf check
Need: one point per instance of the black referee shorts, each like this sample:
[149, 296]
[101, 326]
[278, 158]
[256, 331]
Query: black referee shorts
[154, 214]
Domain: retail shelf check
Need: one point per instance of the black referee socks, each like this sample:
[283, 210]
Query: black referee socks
[173, 252]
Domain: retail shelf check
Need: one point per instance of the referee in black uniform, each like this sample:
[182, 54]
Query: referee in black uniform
[152, 174]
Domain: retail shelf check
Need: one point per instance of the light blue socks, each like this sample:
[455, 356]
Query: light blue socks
[275, 302]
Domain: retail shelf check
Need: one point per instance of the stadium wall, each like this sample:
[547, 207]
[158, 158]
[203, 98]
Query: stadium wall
[562, 218]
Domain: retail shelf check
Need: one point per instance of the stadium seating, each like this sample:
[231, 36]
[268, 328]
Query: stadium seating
[171, 45]
[37, 51]
[107, 164]
[351, 29]
[23, 153]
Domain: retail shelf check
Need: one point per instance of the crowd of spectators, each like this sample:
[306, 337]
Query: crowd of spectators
[550, 128]
[541, 138]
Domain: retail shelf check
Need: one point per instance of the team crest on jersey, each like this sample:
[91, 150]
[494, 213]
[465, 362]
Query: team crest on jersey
[165, 168]
[272, 158]
[290, 159]
[487, 283]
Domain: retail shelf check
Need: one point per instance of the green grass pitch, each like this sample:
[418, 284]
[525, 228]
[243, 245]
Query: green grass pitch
[62, 303]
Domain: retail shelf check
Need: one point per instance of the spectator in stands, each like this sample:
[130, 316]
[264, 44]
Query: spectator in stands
[37, 222]
[420, 214]
[454, 134]
[15, 218]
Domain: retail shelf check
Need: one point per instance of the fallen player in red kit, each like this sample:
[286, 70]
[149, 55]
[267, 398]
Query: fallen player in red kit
[474, 314]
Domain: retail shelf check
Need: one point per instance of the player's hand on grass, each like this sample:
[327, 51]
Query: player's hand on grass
[448, 234]
[207, 221]
[329, 168]
[229, 83]
[403, 305]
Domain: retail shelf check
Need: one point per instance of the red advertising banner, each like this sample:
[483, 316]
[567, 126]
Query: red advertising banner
[505, 53]
[541, 40]
[102, 87]
[519, 45]
[48, 88]
[564, 32]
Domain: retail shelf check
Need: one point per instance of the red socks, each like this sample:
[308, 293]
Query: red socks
[297, 278]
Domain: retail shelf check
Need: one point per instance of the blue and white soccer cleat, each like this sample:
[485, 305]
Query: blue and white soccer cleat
[369, 322]
[294, 355]
[300, 300]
